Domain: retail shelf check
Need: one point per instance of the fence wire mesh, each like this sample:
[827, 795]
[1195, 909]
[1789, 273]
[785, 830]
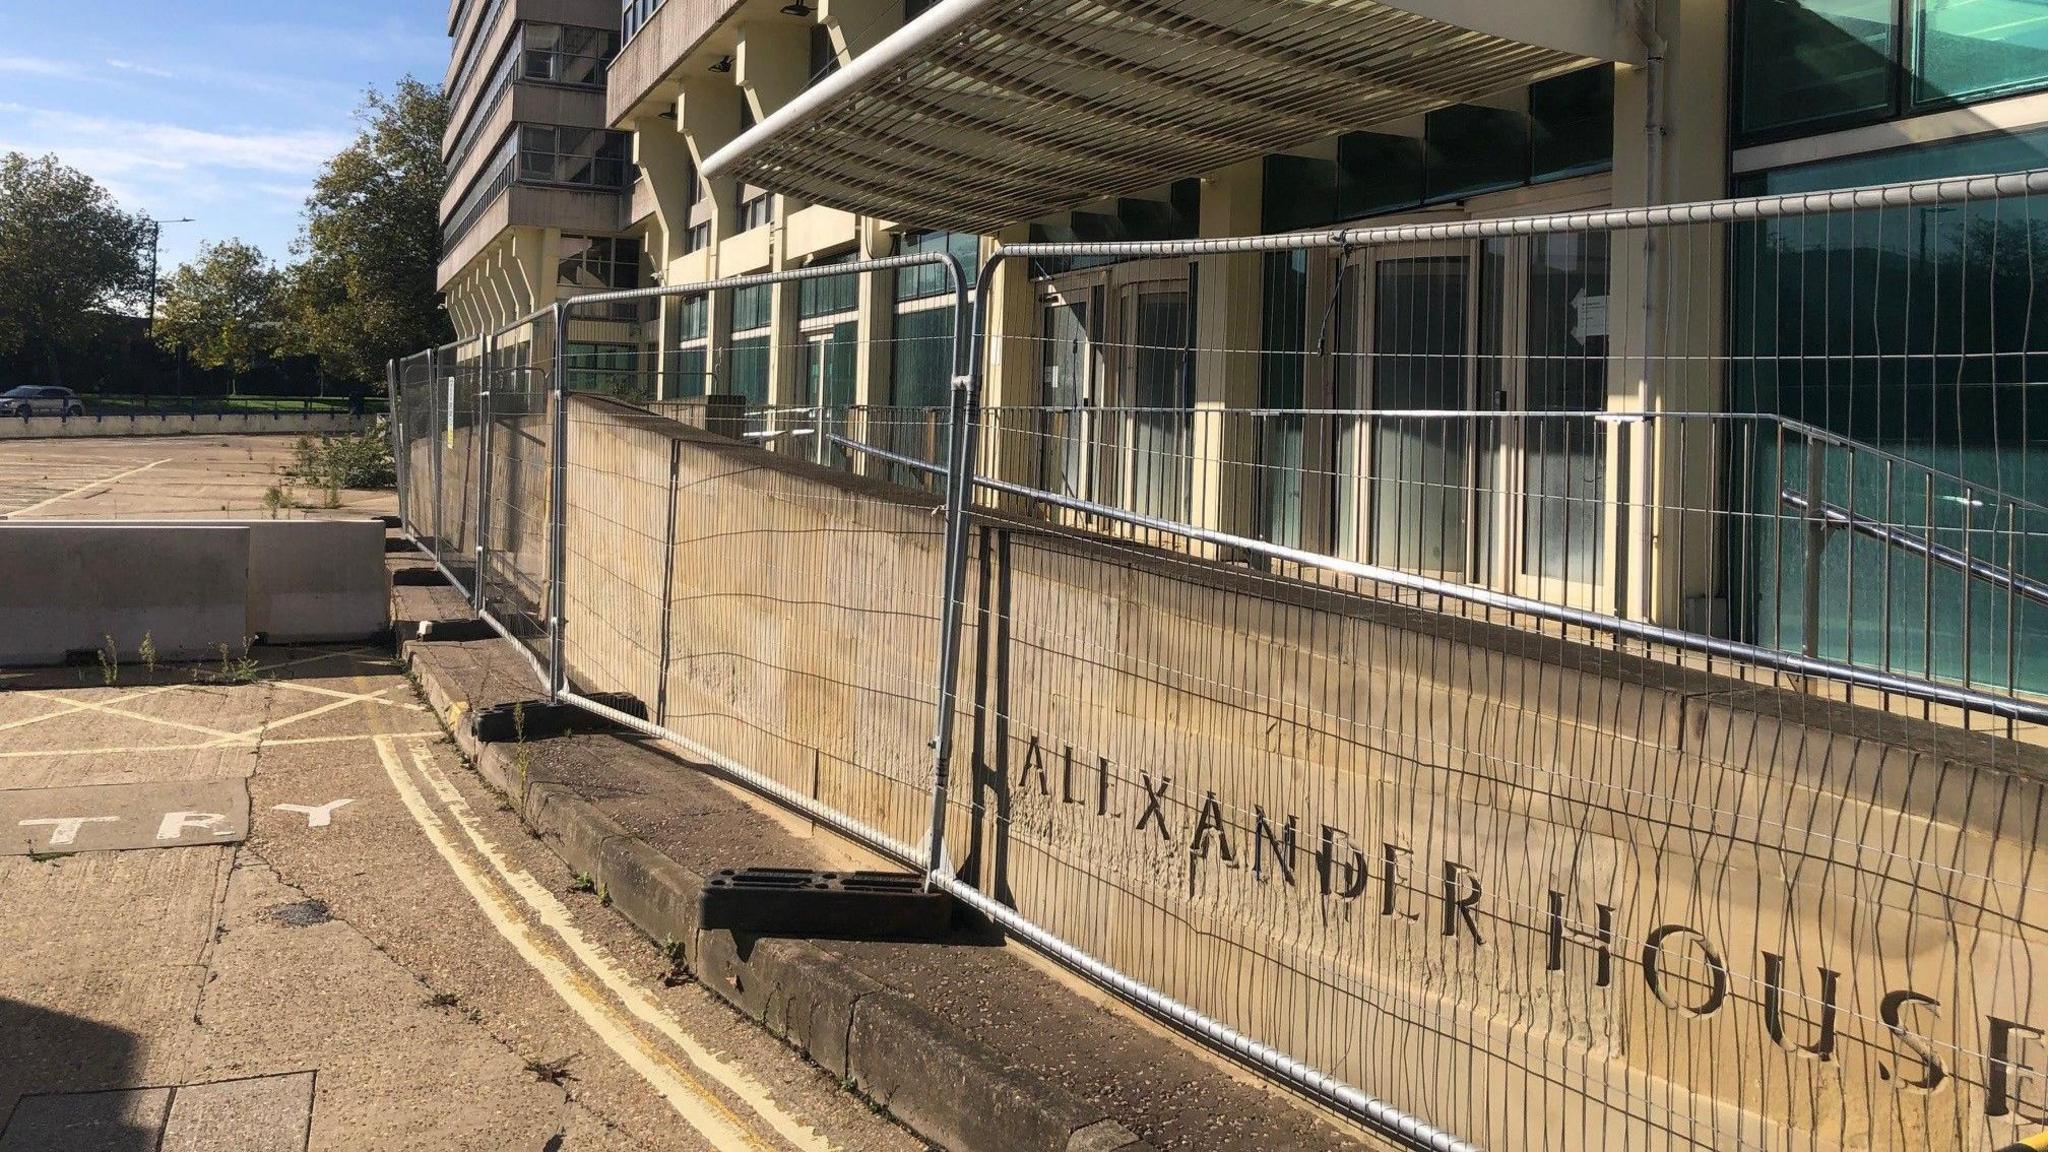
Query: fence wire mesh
[1448, 666]
[517, 582]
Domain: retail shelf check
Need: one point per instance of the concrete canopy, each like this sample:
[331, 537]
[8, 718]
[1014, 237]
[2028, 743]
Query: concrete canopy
[982, 113]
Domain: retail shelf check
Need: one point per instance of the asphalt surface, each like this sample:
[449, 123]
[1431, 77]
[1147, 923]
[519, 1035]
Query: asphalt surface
[269, 907]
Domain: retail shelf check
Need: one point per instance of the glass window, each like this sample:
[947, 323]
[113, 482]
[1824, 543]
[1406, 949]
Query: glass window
[932, 279]
[1915, 330]
[693, 318]
[1300, 192]
[829, 295]
[599, 263]
[1809, 62]
[1571, 124]
[1377, 173]
[922, 373]
[748, 368]
[609, 369]
[1974, 48]
[753, 307]
[1472, 149]
[912, 9]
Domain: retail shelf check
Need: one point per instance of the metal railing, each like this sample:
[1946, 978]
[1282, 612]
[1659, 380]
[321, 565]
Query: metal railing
[1178, 634]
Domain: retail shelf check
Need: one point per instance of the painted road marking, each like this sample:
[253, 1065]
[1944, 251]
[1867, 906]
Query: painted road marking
[85, 488]
[137, 749]
[697, 1107]
[123, 817]
[316, 817]
[556, 916]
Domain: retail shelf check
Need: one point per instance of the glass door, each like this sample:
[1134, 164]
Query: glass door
[1418, 440]
[828, 368]
[1561, 473]
[1067, 383]
[1157, 392]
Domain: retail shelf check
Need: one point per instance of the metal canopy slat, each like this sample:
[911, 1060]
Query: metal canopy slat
[995, 94]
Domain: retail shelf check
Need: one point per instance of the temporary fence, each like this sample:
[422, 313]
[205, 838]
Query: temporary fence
[1391, 690]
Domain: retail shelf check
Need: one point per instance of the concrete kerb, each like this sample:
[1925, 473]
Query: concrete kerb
[943, 1084]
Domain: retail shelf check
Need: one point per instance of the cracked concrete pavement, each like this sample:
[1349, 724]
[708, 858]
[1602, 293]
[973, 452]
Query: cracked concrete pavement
[407, 969]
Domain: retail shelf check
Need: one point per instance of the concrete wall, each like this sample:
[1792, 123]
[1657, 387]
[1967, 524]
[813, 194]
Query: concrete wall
[67, 588]
[1545, 895]
[190, 585]
[232, 424]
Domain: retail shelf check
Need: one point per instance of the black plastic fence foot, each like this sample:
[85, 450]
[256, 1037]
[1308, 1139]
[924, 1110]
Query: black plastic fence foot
[423, 576]
[399, 544]
[539, 720]
[389, 521]
[836, 905]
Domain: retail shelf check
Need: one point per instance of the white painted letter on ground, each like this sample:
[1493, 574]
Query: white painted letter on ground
[319, 817]
[65, 829]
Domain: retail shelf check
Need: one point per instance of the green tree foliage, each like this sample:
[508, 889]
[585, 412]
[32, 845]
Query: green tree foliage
[68, 255]
[225, 308]
[364, 293]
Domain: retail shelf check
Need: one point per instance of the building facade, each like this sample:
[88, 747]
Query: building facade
[680, 141]
[543, 200]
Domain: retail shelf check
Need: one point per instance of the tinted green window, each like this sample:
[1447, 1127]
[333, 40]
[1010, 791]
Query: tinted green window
[691, 378]
[1571, 124]
[1972, 48]
[933, 279]
[1299, 192]
[922, 375]
[691, 318]
[753, 307]
[747, 365]
[1809, 62]
[829, 294]
[1471, 149]
[1915, 330]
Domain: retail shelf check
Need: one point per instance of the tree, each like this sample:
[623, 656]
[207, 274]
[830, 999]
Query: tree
[68, 255]
[224, 308]
[364, 292]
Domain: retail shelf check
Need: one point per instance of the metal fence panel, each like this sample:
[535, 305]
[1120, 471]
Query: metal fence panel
[1397, 696]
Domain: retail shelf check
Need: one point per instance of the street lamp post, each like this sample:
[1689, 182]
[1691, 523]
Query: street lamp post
[156, 232]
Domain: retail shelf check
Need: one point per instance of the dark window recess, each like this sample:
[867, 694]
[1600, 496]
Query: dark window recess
[1571, 124]
[1471, 149]
[746, 114]
[824, 57]
[1377, 173]
[1300, 192]
[912, 9]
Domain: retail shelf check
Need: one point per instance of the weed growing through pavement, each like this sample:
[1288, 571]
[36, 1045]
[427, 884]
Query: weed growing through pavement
[110, 661]
[584, 882]
[278, 498]
[233, 669]
[678, 963]
[551, 1071]
[148, 652]
[443, 1000]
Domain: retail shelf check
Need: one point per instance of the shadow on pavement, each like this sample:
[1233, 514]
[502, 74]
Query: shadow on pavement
[61, 1084]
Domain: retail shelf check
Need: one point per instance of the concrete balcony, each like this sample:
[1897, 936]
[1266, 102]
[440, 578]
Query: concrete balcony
[642, 77]
[979, 114]
[524, 104]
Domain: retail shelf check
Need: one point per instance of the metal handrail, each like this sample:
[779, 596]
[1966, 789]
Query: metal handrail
[1835, 516]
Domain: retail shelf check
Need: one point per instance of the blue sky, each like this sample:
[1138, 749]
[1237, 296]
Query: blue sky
[222, 110]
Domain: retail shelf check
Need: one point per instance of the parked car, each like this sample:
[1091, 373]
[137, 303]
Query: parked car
[36, 400]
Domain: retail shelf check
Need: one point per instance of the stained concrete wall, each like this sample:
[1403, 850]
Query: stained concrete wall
[190, 585]
[232, 424]
[1542, 894]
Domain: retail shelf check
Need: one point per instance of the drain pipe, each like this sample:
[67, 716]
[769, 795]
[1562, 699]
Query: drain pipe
[1654, 129]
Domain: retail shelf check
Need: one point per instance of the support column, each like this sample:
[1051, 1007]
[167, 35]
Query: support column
[708, 116]
[663, 156]
[1228, 299]
[1665, 327]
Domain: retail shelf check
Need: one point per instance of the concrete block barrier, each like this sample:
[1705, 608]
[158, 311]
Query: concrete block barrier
[190, 586]
[181, 424]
